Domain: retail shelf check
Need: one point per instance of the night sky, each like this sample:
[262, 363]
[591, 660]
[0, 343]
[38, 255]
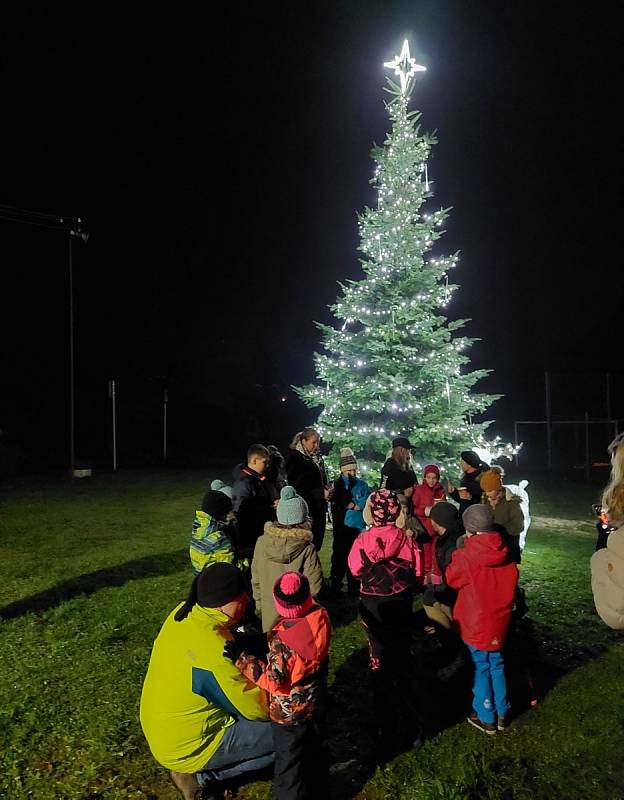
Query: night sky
[219, 162]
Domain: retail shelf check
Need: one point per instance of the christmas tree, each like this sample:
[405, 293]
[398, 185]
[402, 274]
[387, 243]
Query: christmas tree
[394, 364]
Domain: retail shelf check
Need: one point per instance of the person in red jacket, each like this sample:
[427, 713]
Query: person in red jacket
[424, 496]
[485, 579]
[295, 677]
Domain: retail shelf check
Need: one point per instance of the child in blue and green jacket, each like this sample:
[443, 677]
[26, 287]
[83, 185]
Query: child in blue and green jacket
[214, 534]
[348, 501]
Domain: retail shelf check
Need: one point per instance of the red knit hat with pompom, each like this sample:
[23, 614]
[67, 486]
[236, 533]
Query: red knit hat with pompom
[291, 595]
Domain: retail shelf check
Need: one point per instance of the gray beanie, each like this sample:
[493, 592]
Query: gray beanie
[219, 486]
[291, 509]
[478, 517]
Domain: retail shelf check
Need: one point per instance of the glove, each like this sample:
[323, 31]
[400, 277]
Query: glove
[232, 650]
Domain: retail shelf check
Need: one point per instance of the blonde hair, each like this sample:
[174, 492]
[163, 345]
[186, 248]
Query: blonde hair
[306, 433]
[613, 495]
[404, 462]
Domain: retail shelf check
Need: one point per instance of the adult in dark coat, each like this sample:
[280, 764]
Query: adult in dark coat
[469, 491]
[306, 472]
[397, 474]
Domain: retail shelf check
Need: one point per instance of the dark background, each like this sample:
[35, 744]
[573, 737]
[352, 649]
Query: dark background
[219, 158]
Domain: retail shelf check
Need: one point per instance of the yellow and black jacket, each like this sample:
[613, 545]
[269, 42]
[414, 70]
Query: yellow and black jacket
[191, 693]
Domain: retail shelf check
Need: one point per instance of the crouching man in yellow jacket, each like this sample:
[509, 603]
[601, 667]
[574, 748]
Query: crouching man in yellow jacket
[202, 719]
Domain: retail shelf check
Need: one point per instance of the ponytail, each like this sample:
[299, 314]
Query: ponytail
[190, 601]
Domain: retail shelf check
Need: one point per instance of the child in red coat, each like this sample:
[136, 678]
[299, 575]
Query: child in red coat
[424, 496]
[486, 581]
[295, 677]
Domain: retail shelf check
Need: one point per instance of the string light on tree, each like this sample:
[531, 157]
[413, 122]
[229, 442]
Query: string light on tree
[394, 364]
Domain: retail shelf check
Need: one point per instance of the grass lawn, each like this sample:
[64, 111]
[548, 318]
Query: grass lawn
[89, 573]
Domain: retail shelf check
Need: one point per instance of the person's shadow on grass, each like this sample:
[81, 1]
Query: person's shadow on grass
[439, 697]
[145, 567]
[342, 610]
[351, 726]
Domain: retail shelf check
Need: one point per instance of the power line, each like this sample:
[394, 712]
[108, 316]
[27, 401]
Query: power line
[38, 218]
[25, 211]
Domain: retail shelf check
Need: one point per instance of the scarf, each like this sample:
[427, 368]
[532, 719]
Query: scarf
[316, 457]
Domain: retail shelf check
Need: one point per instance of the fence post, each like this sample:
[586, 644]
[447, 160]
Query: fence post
[587, 446]
[516, 442]
[113, 397]
[548, 421]
[165, 401]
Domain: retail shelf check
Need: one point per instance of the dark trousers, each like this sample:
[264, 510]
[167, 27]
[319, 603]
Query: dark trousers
[388, 622]
[301, 760]
[319, 521]
[343, 540]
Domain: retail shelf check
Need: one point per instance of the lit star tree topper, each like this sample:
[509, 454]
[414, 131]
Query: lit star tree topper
[394, 365]
[405, 66]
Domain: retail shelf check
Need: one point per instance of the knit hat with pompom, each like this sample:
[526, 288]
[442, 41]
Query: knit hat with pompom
[384, 507]
[291, 595]
[347, 459]
[291, 509]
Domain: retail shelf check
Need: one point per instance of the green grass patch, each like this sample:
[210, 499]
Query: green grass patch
[88, 574]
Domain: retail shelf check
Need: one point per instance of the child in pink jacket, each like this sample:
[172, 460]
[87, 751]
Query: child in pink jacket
[387, 563]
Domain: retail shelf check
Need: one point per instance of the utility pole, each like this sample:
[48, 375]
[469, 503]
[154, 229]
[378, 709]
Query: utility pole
[74, 227]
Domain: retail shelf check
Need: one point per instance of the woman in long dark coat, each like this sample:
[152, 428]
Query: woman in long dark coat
[306, 472]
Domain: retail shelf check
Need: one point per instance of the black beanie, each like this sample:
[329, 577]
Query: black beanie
[218, 584]
[217, 504]
[215, 586]
[471, 458]
[444, 514]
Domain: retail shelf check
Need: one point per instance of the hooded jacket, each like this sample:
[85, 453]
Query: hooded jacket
[607, 580]
[486, 582]
[386, 560]
[295, 674]
[211, 541]
[279, 550]
[191, 693]
[508, 513]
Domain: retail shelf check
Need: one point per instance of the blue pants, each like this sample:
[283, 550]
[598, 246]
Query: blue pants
[490, 687]
[246, 746]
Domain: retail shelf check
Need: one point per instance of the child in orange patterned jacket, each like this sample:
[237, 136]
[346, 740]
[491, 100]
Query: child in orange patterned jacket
[295, 677]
